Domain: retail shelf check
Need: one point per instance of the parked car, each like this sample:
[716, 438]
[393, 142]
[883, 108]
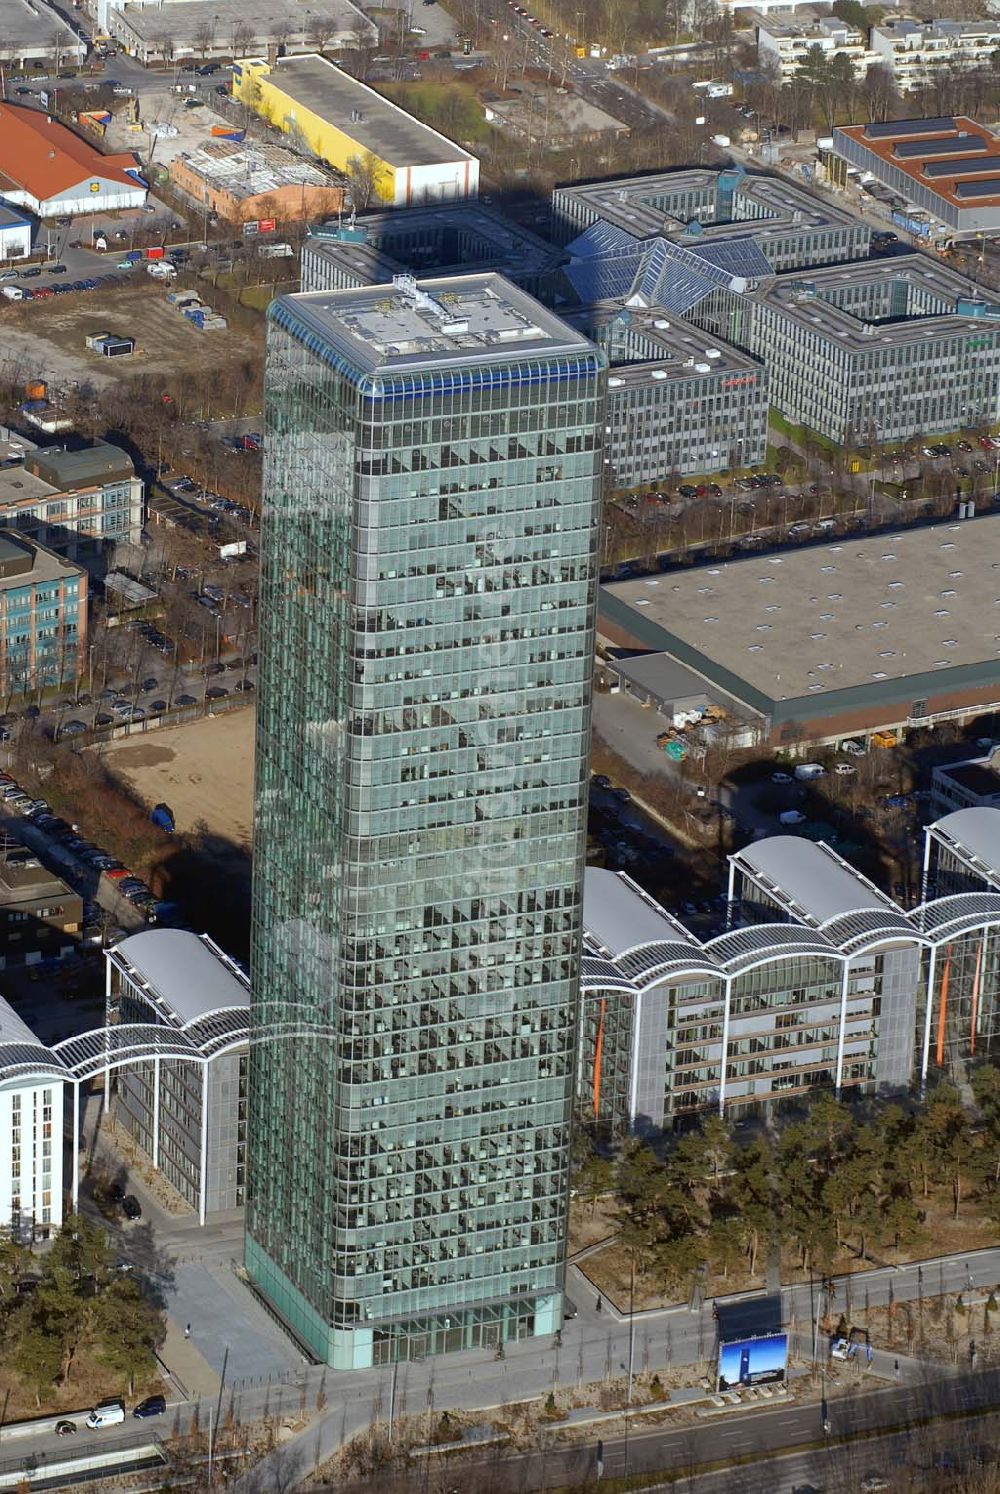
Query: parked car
[64, 1428]
[153, 1405]
[132, 1209]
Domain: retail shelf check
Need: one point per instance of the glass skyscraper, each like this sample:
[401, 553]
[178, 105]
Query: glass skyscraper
[428, 595]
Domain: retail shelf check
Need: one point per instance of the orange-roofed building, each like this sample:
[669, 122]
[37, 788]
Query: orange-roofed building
[45, 167]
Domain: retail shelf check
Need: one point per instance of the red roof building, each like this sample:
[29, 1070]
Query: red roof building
[44, 166]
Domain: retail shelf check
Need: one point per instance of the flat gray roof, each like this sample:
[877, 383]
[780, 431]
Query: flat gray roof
[183, 21]
[383, 127]
[420, 239]
[17, 485]
[620, 916]
[670, 681]
[79, 467]
[190, 975]
[801, 296]
[974, 834]
[810, 881]
[816, 620]
[635, 203]
[421, 325]
[45, 564]
[28, 29]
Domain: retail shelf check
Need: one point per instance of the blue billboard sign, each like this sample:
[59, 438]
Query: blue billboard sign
[753, 1361]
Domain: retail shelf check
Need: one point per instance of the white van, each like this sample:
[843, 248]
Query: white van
[106, 1414]
[13, 292]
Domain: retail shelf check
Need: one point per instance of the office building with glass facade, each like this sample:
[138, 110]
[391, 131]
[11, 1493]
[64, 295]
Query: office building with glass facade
[878, 352]
[428, 594]
[178, 1020]
[821, 980]
[678, 402]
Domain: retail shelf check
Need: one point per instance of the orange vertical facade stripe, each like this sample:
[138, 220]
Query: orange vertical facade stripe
[975, 997]
[598, 1054]
[943, 1009]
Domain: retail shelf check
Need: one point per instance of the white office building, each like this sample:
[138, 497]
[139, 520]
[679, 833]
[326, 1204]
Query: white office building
[32, 1084]
[821, 981]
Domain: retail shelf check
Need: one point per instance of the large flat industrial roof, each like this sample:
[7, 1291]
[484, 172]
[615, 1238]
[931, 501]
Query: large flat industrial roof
[810, 624]
[909, 145]
[28, 30]
[411, 325]
[184, 23]
[362, 114]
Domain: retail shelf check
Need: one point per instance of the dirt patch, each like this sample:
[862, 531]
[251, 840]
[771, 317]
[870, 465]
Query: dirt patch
[203, 770]
[47, 339]
[143, 756]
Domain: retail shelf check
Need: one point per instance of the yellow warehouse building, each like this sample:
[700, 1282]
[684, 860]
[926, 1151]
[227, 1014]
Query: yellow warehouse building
[344, 122]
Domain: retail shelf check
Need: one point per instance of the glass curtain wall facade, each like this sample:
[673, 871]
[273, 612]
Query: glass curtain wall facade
[428, 595]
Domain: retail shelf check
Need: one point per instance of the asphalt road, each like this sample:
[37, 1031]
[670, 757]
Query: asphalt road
[769, 1432]
[588, 76]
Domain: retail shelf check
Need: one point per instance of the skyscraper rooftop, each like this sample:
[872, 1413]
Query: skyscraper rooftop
[414, 325]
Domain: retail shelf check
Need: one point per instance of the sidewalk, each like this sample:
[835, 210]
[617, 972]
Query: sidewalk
[195, 1377]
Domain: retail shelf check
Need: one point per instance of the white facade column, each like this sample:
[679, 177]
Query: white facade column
[107, 1023]
[845, 979]
[727, 980]
[203, 1150]
[925, 874]
[75, 1087]
[730, 893]
[156, 1111]
[925, 1056]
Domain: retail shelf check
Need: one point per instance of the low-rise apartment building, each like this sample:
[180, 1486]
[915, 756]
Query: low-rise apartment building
[916, 52]
[788, 38]
[78, 500]
[40, 916]
[43, 616]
